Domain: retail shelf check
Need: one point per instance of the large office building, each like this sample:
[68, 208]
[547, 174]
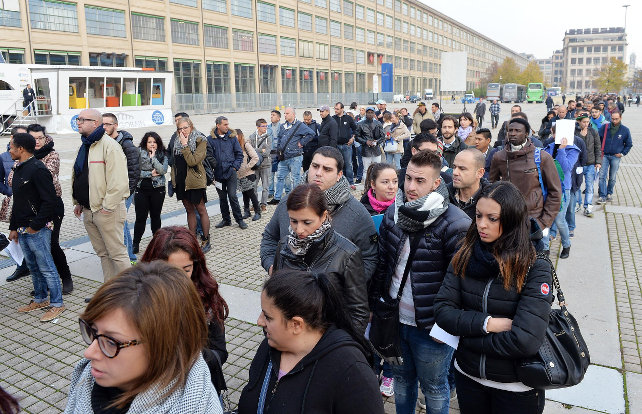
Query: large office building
[546, 65]
[585, 51]
[235, 49]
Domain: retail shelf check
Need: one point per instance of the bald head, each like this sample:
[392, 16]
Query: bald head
[478, 158]
[88, 121]
[290, 114]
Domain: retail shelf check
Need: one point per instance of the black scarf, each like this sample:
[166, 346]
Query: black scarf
[44, 150]
[83, 152]
[482, 263]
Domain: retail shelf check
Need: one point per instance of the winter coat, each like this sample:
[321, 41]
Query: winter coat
[334, 377]
[52, 162]
[303, 135]
[578, 179]
[469, 207]
[328, 132]
[341, 260]
[520, 169]
[351, 220]
[132, 154]
[567, 158]
[147, 164]
[400, 134]
[263, 149]
[480, 109]
[196, 178]
[370, 131]
[439, 243]
[593, 147]
[313, 144]
[228, 155]
[417, 118]
[455, 148]
[365, 200]
[347, 128]
[250, 158]
[621, 143]
[463, 304]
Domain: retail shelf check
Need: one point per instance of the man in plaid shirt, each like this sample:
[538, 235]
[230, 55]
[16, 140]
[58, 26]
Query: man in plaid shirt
[494, 113]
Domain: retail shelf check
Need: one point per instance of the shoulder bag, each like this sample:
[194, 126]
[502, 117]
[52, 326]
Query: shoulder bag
[260, 161]
[281, 151]
[384, 328]
[563, 358]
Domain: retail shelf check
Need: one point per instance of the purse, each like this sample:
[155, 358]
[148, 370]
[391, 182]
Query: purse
[281, 152]
[391, 145]
[563, 358]
[260, 161]
[384, 328]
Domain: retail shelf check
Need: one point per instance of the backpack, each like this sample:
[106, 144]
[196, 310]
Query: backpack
[560, 172]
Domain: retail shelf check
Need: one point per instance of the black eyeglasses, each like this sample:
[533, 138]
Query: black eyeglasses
[81, 120]
[108, 345]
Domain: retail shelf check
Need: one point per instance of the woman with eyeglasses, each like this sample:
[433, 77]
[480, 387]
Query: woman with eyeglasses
[186, 155]
[136, 360]
[179, 247]
[312, 359]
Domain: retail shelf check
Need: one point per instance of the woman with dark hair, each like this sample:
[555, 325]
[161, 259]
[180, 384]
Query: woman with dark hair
[380, 188]
[247, 177]
[466, 128]
[314, 246]
[144, 332]
[150, 191]
[186, 157]
[545, 127]
[496, 297]
[8, 404]
[179, 247]
[312, 359]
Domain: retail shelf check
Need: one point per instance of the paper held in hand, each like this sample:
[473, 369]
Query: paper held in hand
[438, 333]
[565, 128]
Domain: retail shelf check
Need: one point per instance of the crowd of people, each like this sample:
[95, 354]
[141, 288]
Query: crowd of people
[442, 214]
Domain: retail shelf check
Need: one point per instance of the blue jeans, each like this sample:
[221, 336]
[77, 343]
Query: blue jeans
[570, 209]
[394, 159]
[357, 149]
[128, 236]
[289, 166]
[589, 181]
[199, 226]
[346, 151]
[37, 251]
[288, 182]
[560, 222]
[610, 164]
[426, 361]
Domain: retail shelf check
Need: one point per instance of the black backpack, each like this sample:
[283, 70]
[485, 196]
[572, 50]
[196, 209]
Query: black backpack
[209, 163]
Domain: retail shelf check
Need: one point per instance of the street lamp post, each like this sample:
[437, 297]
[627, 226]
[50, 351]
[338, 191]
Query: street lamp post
[626, 8]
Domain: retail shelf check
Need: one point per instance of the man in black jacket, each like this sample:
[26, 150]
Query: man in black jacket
[452, 143]
[418, 237]
[328, 130]
[311, 146]
[345, 140]
[28, 96]
[34, 207]
[132, 153]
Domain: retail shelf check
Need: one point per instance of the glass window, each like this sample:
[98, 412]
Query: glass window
[187, 75]
[389, 4]
[349, 79]
[105, 22]
[335, 53]
[361, 57]
[107, 59]
[156, 63]
[321, 25]
[348, 55]
[288, 46]
[388, 41]
[337, 85]
[371, 37]
[267, 79]
[306, 49]
[380, 19]
[322, 51]
[184, 32]
[359, 12]
[388, 21]
[335, 6]
[286, 17]
[307, 80]
[305, 21]
[348, 31]
[184, 2]
[404, 27]
[56, 57]
[10, 14]
[215, 5]
[265, 12]
[335, 28]
[360, 34]
[321, 3]
[288, 80]
[348, 7]
[218, 78]
[398, 6]
[370, 16]
[267, 43]
[412, 12]
[398, 25]
[361, 82]
[53, 15]
[215, 36]
[242, 40]
[148, 27]
[380, 39]
[242, 8]
[244, 77]
[404, 9]
[323, 85]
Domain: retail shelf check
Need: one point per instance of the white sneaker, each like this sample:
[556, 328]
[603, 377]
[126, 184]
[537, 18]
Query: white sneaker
[588, 212]
[577, 208]
[387, 386]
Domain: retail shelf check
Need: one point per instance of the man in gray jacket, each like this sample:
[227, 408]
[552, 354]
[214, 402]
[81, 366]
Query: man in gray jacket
[349, 217]
[370, 135]
[260, 140]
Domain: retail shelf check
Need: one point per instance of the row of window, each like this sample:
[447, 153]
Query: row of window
[592, 61]
[597, 49]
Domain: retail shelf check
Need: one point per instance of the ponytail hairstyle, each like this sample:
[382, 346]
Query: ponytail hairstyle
[313, 298]
[374, 170]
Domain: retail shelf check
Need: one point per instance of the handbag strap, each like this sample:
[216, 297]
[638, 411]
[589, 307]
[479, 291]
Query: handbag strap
[292, 135]
[556, 282]
[264, 388]
[414, 242]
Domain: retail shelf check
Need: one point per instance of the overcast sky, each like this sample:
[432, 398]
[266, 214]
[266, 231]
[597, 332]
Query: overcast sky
[538, 27]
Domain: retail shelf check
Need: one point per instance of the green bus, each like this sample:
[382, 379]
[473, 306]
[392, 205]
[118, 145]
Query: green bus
[535, 93]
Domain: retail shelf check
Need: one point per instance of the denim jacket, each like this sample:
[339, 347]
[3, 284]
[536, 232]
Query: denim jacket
[148, 164]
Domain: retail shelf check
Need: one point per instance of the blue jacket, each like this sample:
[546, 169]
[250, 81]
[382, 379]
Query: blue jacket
[303, 136]
[273, 132]
[228, 154]
[597, 123]
[7, 165]
[567, 157]
[621, 143]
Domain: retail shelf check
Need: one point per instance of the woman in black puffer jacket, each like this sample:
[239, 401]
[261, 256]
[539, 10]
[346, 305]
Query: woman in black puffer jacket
[314, 246]
[497, 298]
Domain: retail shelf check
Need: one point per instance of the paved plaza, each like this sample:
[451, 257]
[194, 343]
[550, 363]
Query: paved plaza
[601, 281]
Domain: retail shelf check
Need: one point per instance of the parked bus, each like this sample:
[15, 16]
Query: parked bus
[494, 91]
[514, 93]
[555, 92]
[535, 92]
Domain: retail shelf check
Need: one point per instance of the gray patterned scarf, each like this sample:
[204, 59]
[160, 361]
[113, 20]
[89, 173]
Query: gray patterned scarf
[191, 142]
[416, 215]
[336, 195]
[301, 246]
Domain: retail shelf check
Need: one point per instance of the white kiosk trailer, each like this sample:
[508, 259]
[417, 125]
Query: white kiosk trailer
[138, 97]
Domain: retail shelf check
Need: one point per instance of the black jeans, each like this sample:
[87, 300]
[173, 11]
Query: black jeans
[480, 120]
[494, 120]
[229, 191]
[250, 195]
[475, 398]
[58, 255]
[148, 202]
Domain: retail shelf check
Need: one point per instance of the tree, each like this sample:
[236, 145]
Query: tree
[611, 78]
[531, 73]
[636, 82]
[508, 72]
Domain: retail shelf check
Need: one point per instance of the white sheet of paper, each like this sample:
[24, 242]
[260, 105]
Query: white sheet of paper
[14, 250]
[565, 128]
[218, 185]
[438, 333]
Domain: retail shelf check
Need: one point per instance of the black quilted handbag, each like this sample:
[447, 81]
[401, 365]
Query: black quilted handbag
[563, 358]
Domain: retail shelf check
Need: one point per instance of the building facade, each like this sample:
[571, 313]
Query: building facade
[546, 65]
[230, 51]
[585, 51]
[558, 68]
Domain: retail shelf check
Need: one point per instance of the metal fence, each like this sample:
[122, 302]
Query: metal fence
[239, 102]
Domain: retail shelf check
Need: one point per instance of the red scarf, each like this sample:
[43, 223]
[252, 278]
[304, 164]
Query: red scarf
[378, 206]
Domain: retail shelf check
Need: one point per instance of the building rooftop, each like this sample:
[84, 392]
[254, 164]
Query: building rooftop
[595, 30]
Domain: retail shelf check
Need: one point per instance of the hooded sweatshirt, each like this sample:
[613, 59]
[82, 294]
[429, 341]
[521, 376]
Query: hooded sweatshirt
[334, 377]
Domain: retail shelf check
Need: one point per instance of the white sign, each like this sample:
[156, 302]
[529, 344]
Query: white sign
[375, 83]
[564, 128]
[453, 71]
